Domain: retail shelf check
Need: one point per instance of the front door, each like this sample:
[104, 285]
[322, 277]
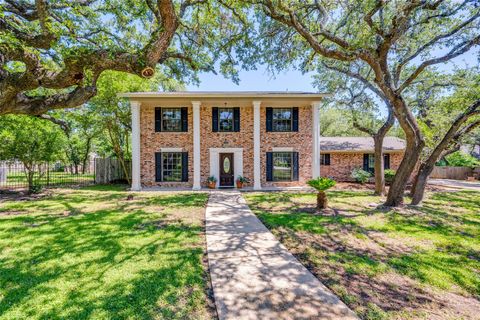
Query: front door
[226, 170]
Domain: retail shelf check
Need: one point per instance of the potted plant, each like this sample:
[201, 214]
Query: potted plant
[240, 181]
[321, 185]
[212, 182]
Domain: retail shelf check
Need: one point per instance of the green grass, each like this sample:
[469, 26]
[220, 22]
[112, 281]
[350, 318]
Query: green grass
[91, 253]
[373, 257]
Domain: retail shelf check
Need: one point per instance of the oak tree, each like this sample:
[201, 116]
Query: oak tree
[395, 40]
[53, 52]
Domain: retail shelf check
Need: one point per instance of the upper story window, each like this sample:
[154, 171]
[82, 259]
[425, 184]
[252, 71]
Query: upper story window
[282, 119]
[171, 119]
[225, 119]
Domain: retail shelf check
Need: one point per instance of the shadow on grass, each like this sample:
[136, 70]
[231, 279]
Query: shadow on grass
[103, 263]
[379, 257]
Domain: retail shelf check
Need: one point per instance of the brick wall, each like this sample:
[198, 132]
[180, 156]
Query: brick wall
[152, 141]
[342, 164]
[242, 139]
[301, 142]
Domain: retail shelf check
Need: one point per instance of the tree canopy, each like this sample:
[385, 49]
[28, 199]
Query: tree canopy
[387, 45]
[53, 52]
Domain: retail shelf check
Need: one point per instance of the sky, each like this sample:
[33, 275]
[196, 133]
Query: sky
[291, 80]
[256, 80]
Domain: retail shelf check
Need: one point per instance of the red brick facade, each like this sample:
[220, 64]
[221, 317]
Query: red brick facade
[342, 164]
[151, 141]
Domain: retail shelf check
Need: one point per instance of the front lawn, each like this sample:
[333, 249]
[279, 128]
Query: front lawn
[410, 263]
[94, 253]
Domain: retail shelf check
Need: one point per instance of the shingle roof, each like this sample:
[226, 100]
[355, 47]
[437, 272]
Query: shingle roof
[357, 144]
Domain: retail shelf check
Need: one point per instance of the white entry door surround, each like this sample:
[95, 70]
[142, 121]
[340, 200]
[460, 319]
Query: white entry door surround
[215, 162]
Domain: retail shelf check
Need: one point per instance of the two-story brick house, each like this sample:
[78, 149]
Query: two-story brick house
[182, 138]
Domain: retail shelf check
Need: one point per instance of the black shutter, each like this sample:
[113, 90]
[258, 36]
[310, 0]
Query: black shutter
[185, 166]
[158, 119]
[184, 119]
[269, 116]
[327, 159]
[236, 119]
[386, 161]
[365, 162]
[295, 166]
[295, 119]
[215, 119]
[158, 166]
[269, 166]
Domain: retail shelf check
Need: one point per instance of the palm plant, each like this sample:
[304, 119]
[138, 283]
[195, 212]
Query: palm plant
[321, 185]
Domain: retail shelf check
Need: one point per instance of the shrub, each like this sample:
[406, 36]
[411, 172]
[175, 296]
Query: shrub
[461, 159]
[321, 184]
[360, 175]
[389, 174]
[211, 179]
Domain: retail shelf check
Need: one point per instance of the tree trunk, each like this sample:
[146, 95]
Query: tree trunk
[454, 133]
[86, 154]
[418, 189]
[379, 166]
[415, 144]
[321, 200]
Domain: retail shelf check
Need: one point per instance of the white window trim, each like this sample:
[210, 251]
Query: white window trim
[282, 149]
[171, 149]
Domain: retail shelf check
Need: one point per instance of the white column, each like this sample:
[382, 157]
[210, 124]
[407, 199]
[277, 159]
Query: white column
[257, 185]
[135, 108]
[316, 139]
[196, 145]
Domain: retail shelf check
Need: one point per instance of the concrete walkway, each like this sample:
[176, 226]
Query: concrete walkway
[253, 275]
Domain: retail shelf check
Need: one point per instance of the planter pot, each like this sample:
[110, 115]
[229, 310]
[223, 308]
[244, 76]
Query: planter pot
[239, 185]
[211, 185]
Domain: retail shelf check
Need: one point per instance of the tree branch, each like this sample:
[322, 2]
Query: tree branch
[61, 123]
[455, 52]
[291, 20]
[433, 41]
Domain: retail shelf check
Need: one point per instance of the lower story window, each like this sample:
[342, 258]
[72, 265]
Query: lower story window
[369, 162]
[171, 166]
[325, 159]
[282, 166]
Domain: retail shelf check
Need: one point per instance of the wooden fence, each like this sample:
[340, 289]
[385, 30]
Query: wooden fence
[456, 173]
[109, 170]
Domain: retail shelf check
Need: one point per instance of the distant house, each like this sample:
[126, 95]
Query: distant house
[340, 155]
